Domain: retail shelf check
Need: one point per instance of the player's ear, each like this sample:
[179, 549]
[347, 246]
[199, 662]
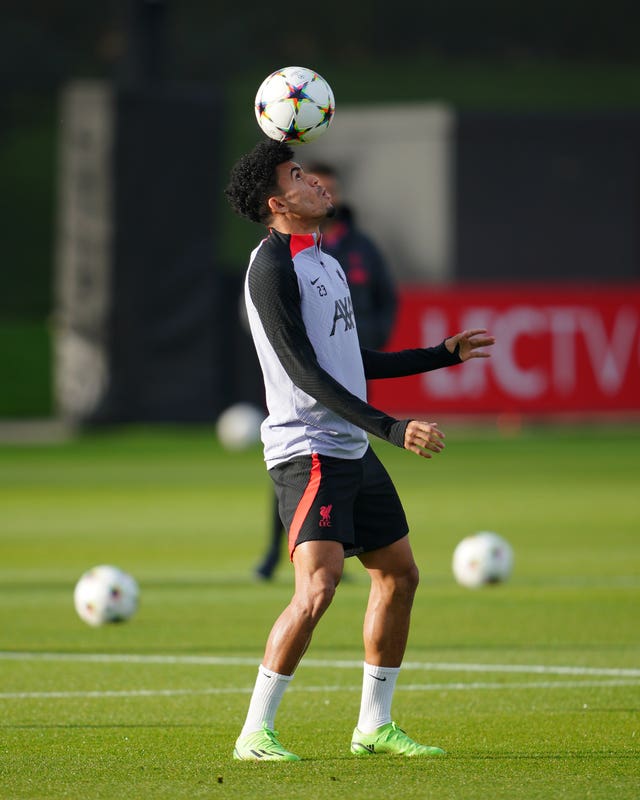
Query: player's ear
[276, 205]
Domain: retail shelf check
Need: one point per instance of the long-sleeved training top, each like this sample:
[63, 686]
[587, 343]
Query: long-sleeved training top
[301, 318]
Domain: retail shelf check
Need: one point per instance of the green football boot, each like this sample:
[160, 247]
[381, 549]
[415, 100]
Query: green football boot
[262, 746]
[390, 739]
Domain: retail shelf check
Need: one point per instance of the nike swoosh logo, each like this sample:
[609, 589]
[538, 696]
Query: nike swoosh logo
[376, 677]
[313, 283]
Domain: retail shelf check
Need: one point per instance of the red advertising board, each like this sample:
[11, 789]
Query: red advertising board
[560, 348]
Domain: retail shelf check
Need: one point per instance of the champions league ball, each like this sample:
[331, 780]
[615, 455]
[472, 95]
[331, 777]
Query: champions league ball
[105, 594]
[238, 427]
[294, 105]
[481, 559]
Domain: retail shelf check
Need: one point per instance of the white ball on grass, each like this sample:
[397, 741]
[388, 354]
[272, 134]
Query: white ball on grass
[238, 427]
[481, 559]
[105, 594]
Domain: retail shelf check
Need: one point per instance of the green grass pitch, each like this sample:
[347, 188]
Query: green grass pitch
[533, 687]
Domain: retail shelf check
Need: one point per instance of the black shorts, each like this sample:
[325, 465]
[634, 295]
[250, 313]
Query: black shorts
[321, 498]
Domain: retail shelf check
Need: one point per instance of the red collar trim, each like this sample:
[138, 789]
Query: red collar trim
[300, 241]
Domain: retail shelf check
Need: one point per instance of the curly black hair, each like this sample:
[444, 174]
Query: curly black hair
[253, 179]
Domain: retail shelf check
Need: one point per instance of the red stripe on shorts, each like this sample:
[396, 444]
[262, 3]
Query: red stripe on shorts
[306, 501]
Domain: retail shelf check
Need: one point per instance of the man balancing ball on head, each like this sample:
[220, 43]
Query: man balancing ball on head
[336, 499]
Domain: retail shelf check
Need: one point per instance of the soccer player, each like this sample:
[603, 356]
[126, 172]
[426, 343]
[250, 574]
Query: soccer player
[336, 499]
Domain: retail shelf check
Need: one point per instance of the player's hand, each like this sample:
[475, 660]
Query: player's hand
[469, 342]
[423, 438]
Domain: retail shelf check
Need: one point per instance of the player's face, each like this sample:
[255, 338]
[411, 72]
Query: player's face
[330, 183]
[303, 201]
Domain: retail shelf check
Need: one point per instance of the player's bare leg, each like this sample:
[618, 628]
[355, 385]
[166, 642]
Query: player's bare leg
[318, 568]
[394, 580]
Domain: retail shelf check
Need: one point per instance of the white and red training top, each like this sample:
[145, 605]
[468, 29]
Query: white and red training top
[315, 372]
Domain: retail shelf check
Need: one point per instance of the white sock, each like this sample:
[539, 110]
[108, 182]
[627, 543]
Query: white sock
[378, 684]
[266, 697]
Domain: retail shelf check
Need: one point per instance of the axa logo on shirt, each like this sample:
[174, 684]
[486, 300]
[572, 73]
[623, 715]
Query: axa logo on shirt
[343, 311]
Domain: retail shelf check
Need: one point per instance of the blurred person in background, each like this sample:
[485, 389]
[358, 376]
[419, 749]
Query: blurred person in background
[374, 298]
[371, 284]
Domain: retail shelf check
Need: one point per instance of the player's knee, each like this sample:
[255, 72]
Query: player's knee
[317, 596]
[323, 592]
[405, 583]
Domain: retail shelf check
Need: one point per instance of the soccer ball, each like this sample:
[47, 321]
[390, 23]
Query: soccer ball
[294, 104]
[482, 558]
[105, 594]
[238, 427]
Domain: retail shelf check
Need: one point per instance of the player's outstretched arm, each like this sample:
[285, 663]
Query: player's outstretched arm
[423, 438]
[468, 343]
[453, 350]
